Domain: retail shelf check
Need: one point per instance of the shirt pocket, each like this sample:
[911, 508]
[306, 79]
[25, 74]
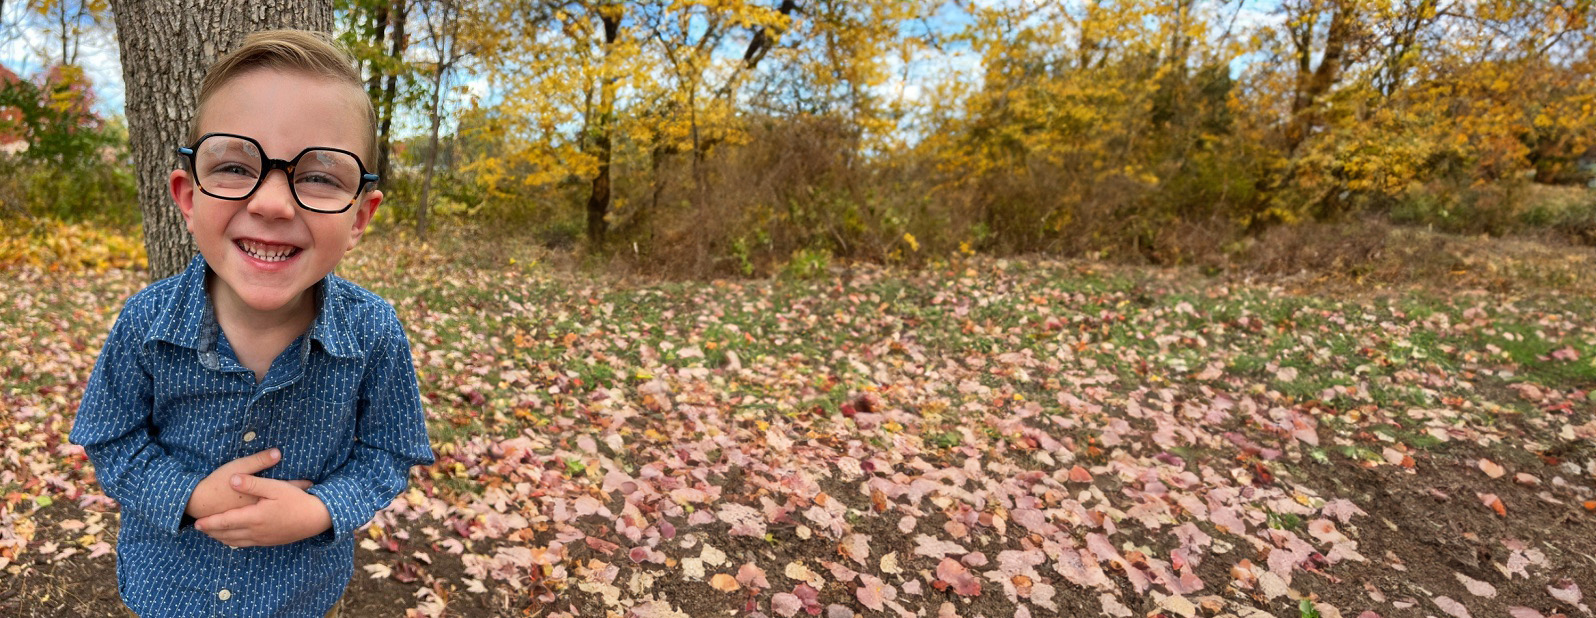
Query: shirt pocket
[316, 431]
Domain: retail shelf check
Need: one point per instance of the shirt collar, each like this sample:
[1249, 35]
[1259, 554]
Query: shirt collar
[190, 319]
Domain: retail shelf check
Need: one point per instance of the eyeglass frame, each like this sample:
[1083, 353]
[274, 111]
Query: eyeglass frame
[367, 179]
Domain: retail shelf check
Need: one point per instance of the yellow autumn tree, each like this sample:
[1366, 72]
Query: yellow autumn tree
[1083, 115]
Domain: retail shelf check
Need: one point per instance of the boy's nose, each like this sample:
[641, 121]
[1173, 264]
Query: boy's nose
[274, 199]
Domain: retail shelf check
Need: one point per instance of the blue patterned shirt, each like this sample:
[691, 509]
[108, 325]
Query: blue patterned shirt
[168, 403]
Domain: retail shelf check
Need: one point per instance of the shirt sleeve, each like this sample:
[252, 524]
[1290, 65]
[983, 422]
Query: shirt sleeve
[390, 437]
[114, 427]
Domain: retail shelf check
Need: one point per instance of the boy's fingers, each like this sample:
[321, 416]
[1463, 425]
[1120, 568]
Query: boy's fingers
[217, 524]
[261, 487]
[233, 538]
[250, 464]
[302, 485]
[229, 524]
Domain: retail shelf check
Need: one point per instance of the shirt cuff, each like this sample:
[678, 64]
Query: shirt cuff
[342, 498]
[166, 499]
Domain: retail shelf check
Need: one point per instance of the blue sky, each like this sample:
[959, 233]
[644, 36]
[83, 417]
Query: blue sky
[98, 55]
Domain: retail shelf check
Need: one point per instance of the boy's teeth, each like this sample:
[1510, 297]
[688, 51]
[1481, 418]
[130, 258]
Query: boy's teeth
[268, 253]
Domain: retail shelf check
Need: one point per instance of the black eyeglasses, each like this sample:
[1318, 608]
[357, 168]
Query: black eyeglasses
[232, 167]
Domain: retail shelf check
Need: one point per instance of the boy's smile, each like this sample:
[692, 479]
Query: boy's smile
[265, 249]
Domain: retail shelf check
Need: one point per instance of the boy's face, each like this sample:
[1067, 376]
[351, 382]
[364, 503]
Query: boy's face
[266, 250]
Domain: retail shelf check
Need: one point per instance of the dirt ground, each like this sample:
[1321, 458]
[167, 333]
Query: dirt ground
[1429, 522]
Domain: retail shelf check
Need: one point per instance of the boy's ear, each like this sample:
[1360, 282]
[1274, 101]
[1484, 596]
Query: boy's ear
[364, 209]
[182, 187]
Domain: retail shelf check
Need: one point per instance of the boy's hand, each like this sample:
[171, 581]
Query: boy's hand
[213, 495]
[283, 514]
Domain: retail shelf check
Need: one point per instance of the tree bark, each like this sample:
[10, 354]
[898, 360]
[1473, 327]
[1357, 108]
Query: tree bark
[166, 46]
[1311, 87]
[432, 153]
[598, 202]
[443, 28]
[390, 89]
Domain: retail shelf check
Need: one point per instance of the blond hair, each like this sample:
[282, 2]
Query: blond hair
[296, 51]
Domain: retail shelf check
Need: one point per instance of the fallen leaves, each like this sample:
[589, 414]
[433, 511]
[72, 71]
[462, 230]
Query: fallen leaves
[1491, 468]
[1476, 587]
[724, 583]
[1494, 503]
[872, 592]
[952, 574]
[1456, 609]
[698, 433]
[1565, 590]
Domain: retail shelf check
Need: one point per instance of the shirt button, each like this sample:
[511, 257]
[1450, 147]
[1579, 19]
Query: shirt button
[225, 594]
[249, 437]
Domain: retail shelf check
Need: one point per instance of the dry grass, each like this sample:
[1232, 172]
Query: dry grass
[1378, 255]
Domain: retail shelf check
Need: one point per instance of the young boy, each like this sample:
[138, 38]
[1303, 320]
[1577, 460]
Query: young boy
[251, 412]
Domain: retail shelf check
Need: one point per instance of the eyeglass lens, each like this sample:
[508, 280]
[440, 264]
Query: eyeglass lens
[229, 167]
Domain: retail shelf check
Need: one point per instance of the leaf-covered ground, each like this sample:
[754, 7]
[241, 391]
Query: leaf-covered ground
[982, 438]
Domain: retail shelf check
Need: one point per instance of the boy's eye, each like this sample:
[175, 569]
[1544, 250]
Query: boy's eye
[318, 178]
[235, 169]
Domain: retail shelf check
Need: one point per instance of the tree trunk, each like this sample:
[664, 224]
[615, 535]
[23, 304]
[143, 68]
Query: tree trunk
[166, 46]
[1311, 87]
[390, 89]
[379, 35]
[443, 30]
[432, 153]
[598, 202]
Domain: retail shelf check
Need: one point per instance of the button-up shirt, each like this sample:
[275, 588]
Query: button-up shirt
[168, 402]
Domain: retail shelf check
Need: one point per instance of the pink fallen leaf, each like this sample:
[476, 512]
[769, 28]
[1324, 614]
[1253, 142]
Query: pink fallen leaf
[1112, 606]
[871, 592]
[810, 597]
[931, 547]
[1477, 587]
[1566, 591]
[744, 520]
[1519, 611]
[99, 549]
[1452, 607]
[1568, 353]
[786, 604]
[1015, 562]
[752, 576]
[1080, 475]
[654, 609]
[839, 571]
[855, 546]
[950, 573]
[1491, 468]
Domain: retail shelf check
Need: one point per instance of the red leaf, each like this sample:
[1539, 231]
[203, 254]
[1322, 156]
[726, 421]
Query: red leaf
[956, 575]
